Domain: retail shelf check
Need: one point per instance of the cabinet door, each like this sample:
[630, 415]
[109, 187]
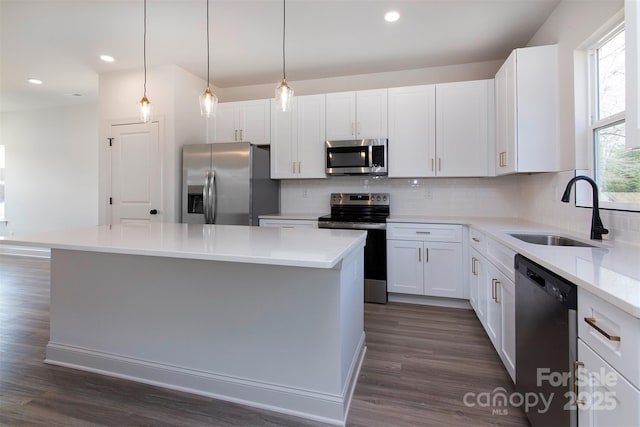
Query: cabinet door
[609, 399]
[507, 300]
[483, 291]
[412, 131]
[283, 142]
[226, 126]
[371, 114]
[341, 116]
[311, 136]
[254, 121]
[494, 312]
[405, 268]
[443, 270]
[462, 127]
[472, 277]
[632, 74]
[505, 91]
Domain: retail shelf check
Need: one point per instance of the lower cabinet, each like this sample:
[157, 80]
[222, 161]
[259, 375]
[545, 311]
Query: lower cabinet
[425, 259]
[605, 398]
[289, 223]
[493, 297]
[608, 367]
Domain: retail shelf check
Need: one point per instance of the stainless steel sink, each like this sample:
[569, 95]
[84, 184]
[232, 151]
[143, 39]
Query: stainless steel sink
[549, 240]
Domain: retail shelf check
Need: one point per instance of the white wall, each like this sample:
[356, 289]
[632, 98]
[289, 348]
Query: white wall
[173, 93]
[51, 168]
[570, 25]
[451, 73]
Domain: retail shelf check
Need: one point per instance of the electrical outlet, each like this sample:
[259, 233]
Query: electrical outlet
[428, 195]
[304, 193]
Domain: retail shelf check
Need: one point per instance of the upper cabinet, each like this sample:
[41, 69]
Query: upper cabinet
[632, 74]
[412, 131]
[297, 139]
[356, 115]
[526, 99]
[441, 130]
[243, 121]
[464, 128]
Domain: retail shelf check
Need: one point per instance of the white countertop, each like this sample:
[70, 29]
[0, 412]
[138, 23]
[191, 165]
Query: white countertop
[316, 248]
[611, 270]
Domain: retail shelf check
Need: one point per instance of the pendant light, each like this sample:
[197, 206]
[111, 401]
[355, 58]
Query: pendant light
[208, 100]
[144, 104]
[284, 93]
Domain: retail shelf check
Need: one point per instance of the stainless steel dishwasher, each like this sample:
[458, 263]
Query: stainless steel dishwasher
[546, 344]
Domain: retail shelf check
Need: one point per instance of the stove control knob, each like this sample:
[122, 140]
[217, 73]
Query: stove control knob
[378, 198]
[384, 198]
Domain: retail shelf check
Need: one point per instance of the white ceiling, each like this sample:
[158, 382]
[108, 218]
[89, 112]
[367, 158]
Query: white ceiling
[59, 41]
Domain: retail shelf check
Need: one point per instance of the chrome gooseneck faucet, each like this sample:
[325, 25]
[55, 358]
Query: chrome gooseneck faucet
[597, 229]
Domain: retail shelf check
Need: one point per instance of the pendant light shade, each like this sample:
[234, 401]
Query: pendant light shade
[144, 105]
[208, 99]
[284, 92]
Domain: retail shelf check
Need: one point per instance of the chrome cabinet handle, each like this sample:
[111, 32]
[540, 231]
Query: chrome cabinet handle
[592, 322]
[432, 164]
[299, 166]
[474, 269]
[426, 255]
[493, 289]
[497, 289]
[293, 167]
[576, 365]
[235, 135]
[439, 164]
[241, 134]
[419, 254]
[423, 232]
[475, 239]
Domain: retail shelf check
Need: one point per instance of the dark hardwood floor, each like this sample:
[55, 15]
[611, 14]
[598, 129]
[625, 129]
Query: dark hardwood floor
[420, 363]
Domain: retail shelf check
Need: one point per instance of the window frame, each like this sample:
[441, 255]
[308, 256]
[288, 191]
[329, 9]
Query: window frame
[595, 123]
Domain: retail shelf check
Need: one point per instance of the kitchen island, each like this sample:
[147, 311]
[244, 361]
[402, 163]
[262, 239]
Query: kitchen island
[267, 317]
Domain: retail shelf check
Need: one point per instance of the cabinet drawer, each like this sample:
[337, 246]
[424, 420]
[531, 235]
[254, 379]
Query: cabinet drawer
[502, 257]
[425, 232]
[609, 399]
[477, 241]
[290, 223]
[622, 354]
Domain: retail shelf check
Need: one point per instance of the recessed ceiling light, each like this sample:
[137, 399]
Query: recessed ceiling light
[107, 58]
[35, 81]
[392, 16]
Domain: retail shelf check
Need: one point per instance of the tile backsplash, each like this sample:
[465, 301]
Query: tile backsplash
[492, 197]
[533, 197]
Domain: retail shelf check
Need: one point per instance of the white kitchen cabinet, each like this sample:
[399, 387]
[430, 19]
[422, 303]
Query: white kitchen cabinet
[441, 130]
[526, 99]
[412, 131]
[243, 121]
[464, 116]
[289, 223]
[425, 259]
[297, 139]
[493, 276]
[356, 115]
[607, 399]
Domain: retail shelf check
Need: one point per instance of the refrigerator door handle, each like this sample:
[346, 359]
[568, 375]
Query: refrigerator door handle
[205, 198]
[212, 196]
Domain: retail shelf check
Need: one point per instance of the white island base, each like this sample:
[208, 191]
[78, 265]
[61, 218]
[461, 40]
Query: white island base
[283, 338]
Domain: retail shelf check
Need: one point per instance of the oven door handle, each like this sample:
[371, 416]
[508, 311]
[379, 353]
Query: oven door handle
[353, 225]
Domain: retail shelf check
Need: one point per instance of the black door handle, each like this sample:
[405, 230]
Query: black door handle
[153, 211]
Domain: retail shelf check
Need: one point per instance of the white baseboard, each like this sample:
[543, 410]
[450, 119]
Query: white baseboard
[426, 300]
[26, 251]
[317, 406]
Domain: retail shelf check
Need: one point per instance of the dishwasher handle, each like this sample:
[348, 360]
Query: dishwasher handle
[536, 278]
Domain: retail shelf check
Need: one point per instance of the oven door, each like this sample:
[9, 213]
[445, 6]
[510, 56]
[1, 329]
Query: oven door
[375, 257]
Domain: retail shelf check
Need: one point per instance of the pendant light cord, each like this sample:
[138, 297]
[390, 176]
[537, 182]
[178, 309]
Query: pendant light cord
[284, 26]
[208, 84]
[144, 47]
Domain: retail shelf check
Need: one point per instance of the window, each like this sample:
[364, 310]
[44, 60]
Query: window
[1, 182]
[616, 169]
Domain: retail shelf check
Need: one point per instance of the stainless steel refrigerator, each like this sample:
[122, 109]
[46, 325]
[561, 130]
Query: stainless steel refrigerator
[227, 183]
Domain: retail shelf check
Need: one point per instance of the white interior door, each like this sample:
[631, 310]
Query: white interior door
[136, 167]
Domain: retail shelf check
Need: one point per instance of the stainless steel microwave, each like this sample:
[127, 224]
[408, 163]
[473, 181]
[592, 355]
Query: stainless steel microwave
[356, 157]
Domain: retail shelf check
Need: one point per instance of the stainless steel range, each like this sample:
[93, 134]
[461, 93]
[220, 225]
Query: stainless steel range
[365, 211]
